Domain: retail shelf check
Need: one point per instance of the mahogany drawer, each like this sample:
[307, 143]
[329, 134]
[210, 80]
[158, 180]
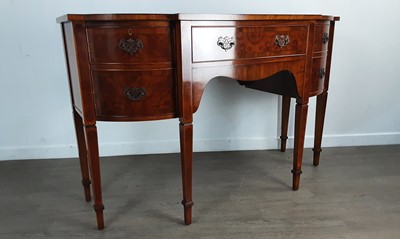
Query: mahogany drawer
[129, 44]
[134, 95]
[321, 38]
[228, 43]
[318, 75]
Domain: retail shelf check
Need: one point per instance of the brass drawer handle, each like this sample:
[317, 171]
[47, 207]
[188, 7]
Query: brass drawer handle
[282, 40]
[130, 45]
[325, 38]
[135, 94]
[226, 43]
[322, 73]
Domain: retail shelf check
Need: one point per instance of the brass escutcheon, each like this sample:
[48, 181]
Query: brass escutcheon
[282, 40]
[135, 94]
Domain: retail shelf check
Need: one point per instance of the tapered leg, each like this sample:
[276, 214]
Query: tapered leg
[80, 136]
[299, 134]
[284, 121]
[186, 139]
[94, 163]
[319, 125]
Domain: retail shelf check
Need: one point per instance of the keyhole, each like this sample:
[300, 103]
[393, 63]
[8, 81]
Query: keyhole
[130, 32]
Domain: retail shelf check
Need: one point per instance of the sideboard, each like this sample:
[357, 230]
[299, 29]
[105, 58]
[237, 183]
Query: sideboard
[137, 67]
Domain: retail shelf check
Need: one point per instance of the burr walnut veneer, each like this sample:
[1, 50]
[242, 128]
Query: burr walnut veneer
[136, 67]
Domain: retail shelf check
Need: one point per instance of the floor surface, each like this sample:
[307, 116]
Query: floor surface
[354, 193]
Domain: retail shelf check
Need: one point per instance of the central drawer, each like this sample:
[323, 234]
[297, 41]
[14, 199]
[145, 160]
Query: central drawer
[134, 95]
[228, 43]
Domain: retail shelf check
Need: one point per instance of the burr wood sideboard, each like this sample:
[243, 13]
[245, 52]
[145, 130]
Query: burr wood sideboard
[137, 67]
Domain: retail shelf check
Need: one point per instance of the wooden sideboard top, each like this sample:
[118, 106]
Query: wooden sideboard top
[194, 17]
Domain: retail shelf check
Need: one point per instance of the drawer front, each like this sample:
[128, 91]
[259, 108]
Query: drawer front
[318, 75]
[134, 95]
[228, 43]
[321, 39]
[129, 44]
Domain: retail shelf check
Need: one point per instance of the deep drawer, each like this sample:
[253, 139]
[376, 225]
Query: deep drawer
[129, 44]
[318, 75]
[228, 43]
[134, 95]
